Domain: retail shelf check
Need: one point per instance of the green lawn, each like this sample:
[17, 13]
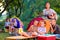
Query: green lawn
[3, 36]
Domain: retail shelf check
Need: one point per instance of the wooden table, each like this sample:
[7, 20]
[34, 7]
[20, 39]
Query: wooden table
[19, 38]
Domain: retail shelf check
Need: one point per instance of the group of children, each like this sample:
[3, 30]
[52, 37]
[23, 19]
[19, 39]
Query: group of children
[8, 24]
[38, 28]
[11, 25]
[35, 29]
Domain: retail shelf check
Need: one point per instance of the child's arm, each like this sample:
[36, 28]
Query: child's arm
[30, 29]
[52, 30]
[41, 33]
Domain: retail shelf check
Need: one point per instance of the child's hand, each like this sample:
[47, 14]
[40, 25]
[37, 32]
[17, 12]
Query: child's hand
[52, 30]
[41, 33]
[34, 34]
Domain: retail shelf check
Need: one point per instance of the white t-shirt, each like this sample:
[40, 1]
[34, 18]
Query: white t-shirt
[41, 29]
[7, 23]
[49, 12]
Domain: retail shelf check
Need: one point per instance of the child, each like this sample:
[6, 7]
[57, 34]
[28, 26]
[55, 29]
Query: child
[19, 31]
[55, 27]
[41, 28]
[15, 23]
[33, 29]
[49, 13]
[7, 23]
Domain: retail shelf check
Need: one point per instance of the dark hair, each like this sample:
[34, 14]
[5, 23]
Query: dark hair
[7, 19]
[53, 19]
[46, 3]
[43, 21]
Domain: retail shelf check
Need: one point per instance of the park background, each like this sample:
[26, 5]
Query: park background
[25, 10]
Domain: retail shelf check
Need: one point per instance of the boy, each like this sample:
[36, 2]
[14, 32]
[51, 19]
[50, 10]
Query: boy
[55, 27]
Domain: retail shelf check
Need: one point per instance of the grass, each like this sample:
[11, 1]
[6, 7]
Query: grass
[3, 35]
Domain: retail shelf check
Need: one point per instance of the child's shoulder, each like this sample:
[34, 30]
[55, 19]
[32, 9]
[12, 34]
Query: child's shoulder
[44, 10]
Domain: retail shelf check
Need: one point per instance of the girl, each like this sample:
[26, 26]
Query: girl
[19, 30]
[7, 24]
[33, 29]
[49, 13]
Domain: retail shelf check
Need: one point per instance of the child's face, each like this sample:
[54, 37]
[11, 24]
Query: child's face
[7, 20]
[42, 23]
[10, 19]
[35, 22]
[53, 22]
[47, 5]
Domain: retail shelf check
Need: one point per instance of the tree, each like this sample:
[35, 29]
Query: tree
[23, 9]
[28, 9]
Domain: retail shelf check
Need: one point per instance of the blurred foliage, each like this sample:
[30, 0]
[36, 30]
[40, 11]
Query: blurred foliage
[58, 21]
[26, 10]
[3, 36]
